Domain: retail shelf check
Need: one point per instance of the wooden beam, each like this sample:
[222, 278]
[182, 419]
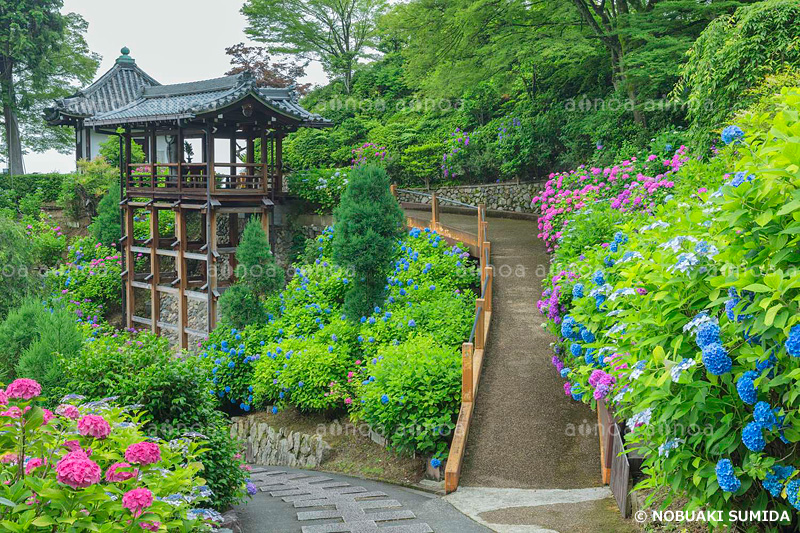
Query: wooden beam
[129, 266]
[155, 271]
[180, 264]
[211, 268]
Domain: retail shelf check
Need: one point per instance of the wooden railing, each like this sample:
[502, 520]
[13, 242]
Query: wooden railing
[472, 351]
[166, 178]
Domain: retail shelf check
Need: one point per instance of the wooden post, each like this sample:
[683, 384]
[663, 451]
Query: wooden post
[393, 190]
[488, 294]
[233, 160]
[208, 153]
[155, 272]
[128, 156]
[179, 140]
[486, 256]
[153, 157]
[233, 241]
[211, 267]
[434, 211]
[265, 221]
[180, 265]
[480, 329]
[264, 169]
[129, 266]
[278, 163]
[467, 350]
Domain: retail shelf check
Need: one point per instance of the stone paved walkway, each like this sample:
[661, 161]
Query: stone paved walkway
[294, 501]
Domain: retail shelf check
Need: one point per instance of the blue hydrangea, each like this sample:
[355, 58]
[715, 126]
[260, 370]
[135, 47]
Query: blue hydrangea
[588, 358]
[746, 388]
[732, 134]
[567, 327]
[587, 335]
[608, 261]
[793, 342]
[741, 177]
[620, 238]
[575, 349]
[753, 437]
[792, 489]
[728, 482]
[598, 278]
[599, 299]
[716, 360]
[766, 363]
[707, 333]
[614, 247]
[436, 463]
[565, 372]
[765, 416]
[577, 290]
[775, 479]
[384, 399]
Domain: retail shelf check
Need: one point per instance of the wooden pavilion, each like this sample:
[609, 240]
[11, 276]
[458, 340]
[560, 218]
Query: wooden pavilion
[233, 109]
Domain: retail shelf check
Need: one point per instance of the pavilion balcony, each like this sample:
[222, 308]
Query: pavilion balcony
[172, 180]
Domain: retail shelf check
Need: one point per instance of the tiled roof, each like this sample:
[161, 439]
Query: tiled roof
[126, 94]
[187, 100]
[116, 88]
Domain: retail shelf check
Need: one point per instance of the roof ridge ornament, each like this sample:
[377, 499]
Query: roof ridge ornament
[125, 59]
[294, 96]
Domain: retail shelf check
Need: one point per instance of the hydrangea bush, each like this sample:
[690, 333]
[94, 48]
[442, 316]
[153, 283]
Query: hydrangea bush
[309, 355]
[686, 322]
[321, 186]
[90, 467]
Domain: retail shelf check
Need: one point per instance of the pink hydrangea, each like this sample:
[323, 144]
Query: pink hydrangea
[9, 458]
[114, 475]
[68, 411]
[3, 397]
[33, 464]
[144, 453]
[77, 470]
[137, 500]
[12, 412]
[24, 389]
[48, 416]
[150, 526]
[94, 426]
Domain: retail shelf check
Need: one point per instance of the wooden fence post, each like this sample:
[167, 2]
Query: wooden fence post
[393, 189]
[467, 350]
[487, 296]
[480, 328]
[434, 211]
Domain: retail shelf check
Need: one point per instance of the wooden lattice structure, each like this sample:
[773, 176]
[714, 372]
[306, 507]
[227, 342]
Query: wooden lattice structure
[234, 111]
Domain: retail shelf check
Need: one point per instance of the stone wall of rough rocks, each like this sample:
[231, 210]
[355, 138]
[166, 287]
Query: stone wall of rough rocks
[267, 445]
[498, 196]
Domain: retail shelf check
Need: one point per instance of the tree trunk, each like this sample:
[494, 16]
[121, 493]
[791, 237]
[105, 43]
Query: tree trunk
[13, 142]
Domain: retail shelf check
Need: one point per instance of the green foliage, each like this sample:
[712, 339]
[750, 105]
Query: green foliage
[368, 221]
[141, 369]
[31, 204]
[722, 250]
[18, 331]
[309, 148]
[92, 276]
[48, 243]
[421, 162]
[239, 306]
[106, 227]
[20, 186]
[109, 149]
[38, 435]
[323, 187]
[58, 337]
[17, 260]
[733, 55]
[415, 395]
[80, 192]
[589, 227]
[256, 267]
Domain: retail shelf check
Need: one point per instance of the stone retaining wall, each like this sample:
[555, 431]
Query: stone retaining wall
[499, 196]
[267, 445]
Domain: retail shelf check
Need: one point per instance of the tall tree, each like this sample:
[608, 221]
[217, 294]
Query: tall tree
[269, 73]
[42, 54]
[335, 32]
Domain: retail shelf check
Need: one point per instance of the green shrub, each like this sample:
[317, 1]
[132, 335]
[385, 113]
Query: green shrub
[31, 204]
[17, 259]
[106, 227]
[111, 152]
[49, 184]
[48, 242]
[80, 192]
[368, 224]
[18, 331]
[319, 186]
[415, 395]
[256, 265]
[589, 227]
[59, 338]
[239, 307]
[140, 369]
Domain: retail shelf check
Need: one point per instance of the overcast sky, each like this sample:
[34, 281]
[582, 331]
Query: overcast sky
[172, 40]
